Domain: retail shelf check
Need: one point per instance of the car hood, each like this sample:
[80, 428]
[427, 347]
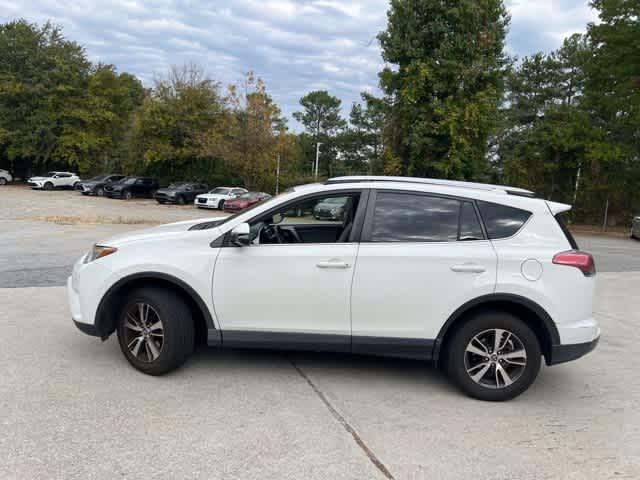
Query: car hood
[211, 195]
[169, 190]
[36, 179]
[161, 231]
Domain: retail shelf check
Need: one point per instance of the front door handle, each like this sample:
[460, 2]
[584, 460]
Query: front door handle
[468, 268]
[333, 264]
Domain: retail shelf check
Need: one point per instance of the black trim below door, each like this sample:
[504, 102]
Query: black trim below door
[415, 348]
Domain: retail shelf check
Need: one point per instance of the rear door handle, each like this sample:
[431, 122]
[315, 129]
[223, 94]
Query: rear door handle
[333, 264]
[468, 268]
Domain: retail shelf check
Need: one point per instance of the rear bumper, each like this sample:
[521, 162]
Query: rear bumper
[566, 353]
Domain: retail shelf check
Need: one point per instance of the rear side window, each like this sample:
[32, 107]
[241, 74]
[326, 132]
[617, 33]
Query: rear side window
[400, 217]
[502, 221]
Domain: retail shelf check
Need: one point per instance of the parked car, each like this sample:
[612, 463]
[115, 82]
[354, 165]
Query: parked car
[635, 228]
[244, 201]
[54, 180]
[216, 197]
[331, 209]
[5, 177]
[482, 279]
[130, 187]
[180, 193]
[96, 185]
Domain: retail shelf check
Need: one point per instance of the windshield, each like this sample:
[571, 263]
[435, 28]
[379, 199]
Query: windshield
[97, 179]
[51, 174]
[217, 223]
[220, 191]
[334, 200]
[130, 181]
[179, 185]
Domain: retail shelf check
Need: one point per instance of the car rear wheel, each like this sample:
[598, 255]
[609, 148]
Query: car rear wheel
[155, 330]
[494, 356]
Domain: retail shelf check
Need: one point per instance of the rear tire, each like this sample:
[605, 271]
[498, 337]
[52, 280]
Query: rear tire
[164, 320]
[480, 371]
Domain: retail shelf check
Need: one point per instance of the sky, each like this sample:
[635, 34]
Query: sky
[295, 46]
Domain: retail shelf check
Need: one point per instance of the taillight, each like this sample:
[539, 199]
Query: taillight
[575, 258]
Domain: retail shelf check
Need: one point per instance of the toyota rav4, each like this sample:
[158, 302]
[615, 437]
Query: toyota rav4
[482, 280]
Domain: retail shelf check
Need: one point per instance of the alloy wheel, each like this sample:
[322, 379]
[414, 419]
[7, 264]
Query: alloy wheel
[143, 332]
[495, 358]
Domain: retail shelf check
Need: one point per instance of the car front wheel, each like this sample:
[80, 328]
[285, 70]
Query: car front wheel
[127, 195]
[100, 192]
[3, 181]
[493, 356]
[48, 186]
[155, 330]
[220, 204]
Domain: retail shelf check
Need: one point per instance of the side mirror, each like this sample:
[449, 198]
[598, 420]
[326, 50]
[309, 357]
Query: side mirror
[240, 235]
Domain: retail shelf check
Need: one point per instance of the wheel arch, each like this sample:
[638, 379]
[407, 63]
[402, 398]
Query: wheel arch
[529, 311]
[107, 311]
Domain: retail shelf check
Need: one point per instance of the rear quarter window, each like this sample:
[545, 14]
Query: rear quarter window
[501, 221]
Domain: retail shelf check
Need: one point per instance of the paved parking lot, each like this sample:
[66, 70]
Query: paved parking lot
[71, 407]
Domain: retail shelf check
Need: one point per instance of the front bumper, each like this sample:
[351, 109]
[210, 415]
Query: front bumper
[35, 184]
[566, 353]
[76, 311]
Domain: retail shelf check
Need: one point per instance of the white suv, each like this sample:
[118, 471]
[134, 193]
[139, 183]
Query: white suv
[54, 180]
[480, 279]
[5, 177]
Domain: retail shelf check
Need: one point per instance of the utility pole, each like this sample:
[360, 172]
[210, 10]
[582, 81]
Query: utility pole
[315, 170]
[575, 190]
[278, 174]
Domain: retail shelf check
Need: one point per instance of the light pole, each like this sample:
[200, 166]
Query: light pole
[315, 170]
[277, 174]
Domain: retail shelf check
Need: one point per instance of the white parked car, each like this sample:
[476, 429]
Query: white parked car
[54, 180]
[216, 197]
[483, 280]
[5, 177]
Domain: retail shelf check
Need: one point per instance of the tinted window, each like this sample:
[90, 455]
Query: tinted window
[220, 191]
[414, 218]
[470, 228]
[502, 221]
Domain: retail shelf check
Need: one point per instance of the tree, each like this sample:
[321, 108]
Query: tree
[168, 128]
[446, 86]
[363, 142]
[322, 122]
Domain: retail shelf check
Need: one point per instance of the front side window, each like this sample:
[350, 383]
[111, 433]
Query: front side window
[401, 217]
[318, 219]
[502, 221]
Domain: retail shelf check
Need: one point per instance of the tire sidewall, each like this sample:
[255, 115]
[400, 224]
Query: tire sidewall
[48, 186]
[486, 321]
[3, 181]
[220, 204]
[100, 192]
[127, 195]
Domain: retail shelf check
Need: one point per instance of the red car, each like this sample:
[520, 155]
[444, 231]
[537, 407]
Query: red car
[244, 201]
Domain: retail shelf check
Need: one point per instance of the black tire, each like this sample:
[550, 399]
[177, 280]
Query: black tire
[178, 330]
[180, 200]
[484, 322]
[76, 185]
[220, 204]
[100, 192]
[48, 186]
[127, 195]
[3, 181]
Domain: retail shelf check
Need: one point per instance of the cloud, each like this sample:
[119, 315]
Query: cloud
[294, 45]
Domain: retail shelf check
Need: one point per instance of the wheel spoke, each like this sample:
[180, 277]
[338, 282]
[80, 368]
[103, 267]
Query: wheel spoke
[475, 350]
[141, 314]
[156, 326]
[136, 348]
[496, 340]
[506, 379]
[131, 326]
[522, 353]
[153, 348]
[483, 367]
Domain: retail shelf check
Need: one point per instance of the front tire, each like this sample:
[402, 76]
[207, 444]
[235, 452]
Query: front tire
[127, 195]
[3, 181]
[155, 330]
[48, 186]
[493, 356]
[220, 204]
[100, 192]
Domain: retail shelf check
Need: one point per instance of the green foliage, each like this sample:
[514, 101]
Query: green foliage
[446, 86]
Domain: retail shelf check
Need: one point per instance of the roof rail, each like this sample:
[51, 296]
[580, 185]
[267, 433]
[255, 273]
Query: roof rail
[433, 181]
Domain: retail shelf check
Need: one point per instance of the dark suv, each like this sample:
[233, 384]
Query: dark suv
[180, 193]
[96, 185]
[132, 187]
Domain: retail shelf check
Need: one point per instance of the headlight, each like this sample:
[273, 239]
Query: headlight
[99, 251]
